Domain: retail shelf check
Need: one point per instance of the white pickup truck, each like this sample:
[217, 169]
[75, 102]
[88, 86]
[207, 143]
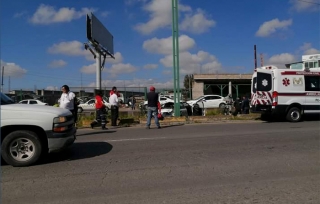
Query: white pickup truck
[28, 131]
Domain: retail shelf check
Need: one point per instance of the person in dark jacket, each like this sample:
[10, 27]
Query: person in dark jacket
[245, 106]
[133, 103]
[153, 100]
[237, 107]
[100, 112]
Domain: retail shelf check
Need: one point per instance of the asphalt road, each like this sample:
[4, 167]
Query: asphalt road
[211, 163]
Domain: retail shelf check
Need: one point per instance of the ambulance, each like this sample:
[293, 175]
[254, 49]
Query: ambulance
[289, 92]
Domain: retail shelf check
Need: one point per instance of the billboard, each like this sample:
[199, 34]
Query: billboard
[97, 33]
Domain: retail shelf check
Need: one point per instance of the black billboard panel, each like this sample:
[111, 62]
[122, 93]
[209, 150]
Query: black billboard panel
[97, 33]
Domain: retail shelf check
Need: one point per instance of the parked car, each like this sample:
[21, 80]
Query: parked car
[29, 132]
[33, 101]
[209, 101]
[90, 105]
[162, 100]
[167, 109]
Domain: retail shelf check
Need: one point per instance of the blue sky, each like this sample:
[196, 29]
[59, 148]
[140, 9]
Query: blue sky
[42, 41]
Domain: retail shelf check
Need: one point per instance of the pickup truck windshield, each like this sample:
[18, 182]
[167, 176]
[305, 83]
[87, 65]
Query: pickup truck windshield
[5, 99]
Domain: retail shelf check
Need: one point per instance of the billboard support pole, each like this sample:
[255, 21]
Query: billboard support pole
[98, 70]
[101, 41]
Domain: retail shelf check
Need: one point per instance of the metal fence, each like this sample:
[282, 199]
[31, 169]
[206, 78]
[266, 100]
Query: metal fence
[52, 96]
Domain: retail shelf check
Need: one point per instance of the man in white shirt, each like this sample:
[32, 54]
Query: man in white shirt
[67, 100]
[113, 100]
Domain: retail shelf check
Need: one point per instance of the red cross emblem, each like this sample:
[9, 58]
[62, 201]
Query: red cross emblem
[286, 82]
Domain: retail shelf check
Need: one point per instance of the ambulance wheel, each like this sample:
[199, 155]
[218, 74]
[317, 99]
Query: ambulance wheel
[294, 114]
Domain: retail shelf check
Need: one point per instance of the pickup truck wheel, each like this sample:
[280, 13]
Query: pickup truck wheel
[21, 148]
[294, 115]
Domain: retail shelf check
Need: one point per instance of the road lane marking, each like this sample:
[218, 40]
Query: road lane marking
[136, 139]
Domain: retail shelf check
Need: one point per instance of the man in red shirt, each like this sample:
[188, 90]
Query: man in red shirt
[100, 112]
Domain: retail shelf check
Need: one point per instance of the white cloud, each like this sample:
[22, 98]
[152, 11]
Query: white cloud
[201, 62]
[312, 51]
[308, 49]
[89, 69]
[197, 23]
[150, 66]
[164, 45]
[269, 27]
[71, 48]
[118, 58]
[76, 48]
[281, 59]
[168, 84]
[120, 68]
[46, 14]
[114, 70]
[12, 70]
[301, 6]
[160, 15]
[20, 14]
[57, 63]
[132, 2]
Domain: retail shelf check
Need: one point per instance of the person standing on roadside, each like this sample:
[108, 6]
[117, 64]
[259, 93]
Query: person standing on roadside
[100, 112]
[133, 103]
[245, 105]
[153, 100]
[237, 107]
[113, 100]
[67, 101]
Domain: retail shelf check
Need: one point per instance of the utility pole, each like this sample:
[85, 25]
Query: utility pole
[81, 86]
[2, 79]
[175, 46]
[190, 87]
[261, 59]
[255, 57]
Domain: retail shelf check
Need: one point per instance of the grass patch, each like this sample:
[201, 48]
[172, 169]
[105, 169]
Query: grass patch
[214, 111]
[239, 118]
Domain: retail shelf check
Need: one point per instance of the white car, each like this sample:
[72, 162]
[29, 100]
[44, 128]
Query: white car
[162, 100]
[209, 101]
[33, 101]
[90, 105]
[167, 110]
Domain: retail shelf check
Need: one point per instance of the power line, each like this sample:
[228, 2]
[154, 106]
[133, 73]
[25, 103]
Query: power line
[309, 2]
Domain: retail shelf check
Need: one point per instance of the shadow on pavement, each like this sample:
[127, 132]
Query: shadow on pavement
[270, 119]
[77, 151]
[96, 132]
